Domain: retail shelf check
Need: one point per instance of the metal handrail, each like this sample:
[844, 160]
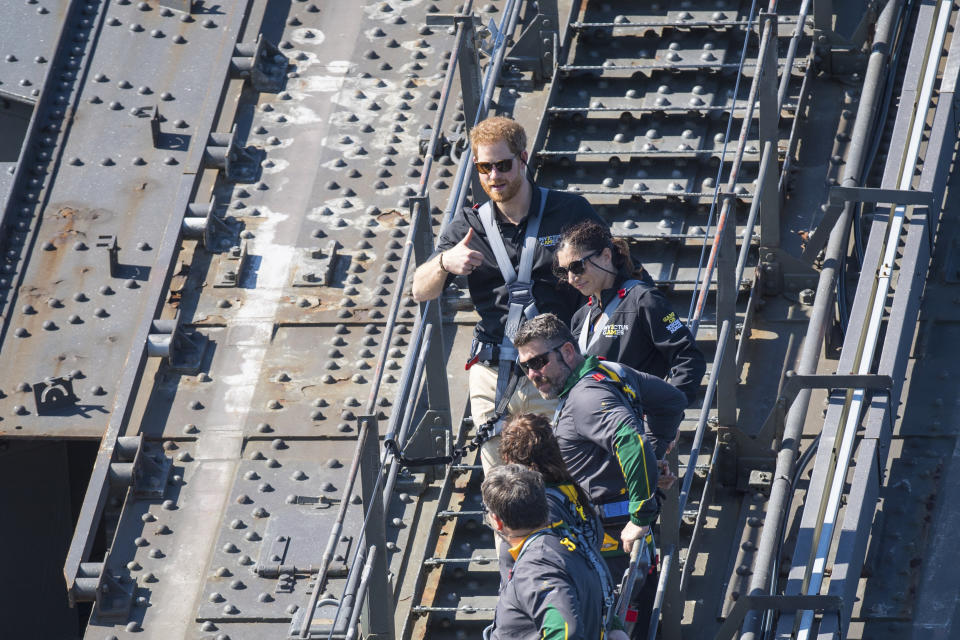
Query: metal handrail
[781, 490]
[412, 374]
[697, 312]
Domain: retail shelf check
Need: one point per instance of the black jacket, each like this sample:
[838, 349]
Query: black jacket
[487, 289]
[610, 449]
[645, 333]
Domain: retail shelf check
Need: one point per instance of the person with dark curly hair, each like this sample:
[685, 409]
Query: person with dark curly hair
[527, 439]
[626, 318]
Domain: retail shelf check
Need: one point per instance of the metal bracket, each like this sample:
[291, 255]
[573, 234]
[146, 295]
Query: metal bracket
[202, 221]
[147, 473]
[238, 163]
[317, 267]
[536, 48]
[183, 351]
[113, 598]
[839, 196]
[321, 624]
[262, 63]
[155, 125]
[53, 395]
[179, 5]
[328, 265]
[450, 19]
[109, 243]
[443, 145]
[271, 563]
[794, 383]
[782, 271]
[827, 604]
[232, 264]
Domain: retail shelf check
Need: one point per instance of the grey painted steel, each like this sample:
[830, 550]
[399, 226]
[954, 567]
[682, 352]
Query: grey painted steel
[871, 459]
[781, 489]
[130, 373]
[45, 131]
[377, 604]
[899, 171]
[28, 33]
[771, 97]
[278, 395]
[95, 294]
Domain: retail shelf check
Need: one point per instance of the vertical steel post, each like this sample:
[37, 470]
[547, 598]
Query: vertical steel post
[672, 610]
[769, 126]
[823, 16]
[378, 607]
[727, 289]
[438, 395]
[471, 84]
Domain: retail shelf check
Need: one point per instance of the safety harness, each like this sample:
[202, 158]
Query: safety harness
[570, 537]
[585, 339]
[520, 302]
[591, 553]
[616, 374]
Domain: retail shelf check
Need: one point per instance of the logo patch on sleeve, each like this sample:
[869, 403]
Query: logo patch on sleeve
[614, 330]
[672, 322]
[549, 241]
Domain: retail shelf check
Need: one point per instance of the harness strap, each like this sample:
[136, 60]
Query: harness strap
[586, 340]
[520, 303]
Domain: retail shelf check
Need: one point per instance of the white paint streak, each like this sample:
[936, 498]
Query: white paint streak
[315, 38]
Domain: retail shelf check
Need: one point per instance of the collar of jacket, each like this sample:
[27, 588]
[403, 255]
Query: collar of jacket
[607, 295]
[589, 364]
[517, 549]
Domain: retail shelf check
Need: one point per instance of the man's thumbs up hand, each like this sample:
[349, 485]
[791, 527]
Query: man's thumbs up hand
[461, 259]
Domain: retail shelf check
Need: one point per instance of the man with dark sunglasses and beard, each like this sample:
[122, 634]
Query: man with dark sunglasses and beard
[612, 424]
[505, 248]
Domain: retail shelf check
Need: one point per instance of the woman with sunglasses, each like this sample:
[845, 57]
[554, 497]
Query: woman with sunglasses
[626, 319]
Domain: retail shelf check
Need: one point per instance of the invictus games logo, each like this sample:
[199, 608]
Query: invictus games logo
[614, 330]
[549, 241]
[673, 323]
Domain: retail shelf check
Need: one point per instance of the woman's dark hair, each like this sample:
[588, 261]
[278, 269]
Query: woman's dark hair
[527, 439]
[588, 236]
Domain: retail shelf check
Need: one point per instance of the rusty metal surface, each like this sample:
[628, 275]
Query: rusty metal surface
[91, 302]
[292, 301]
[293, 334]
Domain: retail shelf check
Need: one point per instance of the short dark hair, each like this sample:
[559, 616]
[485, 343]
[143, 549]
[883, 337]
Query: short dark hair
[515, 494]
[546, 327]
[588, 236]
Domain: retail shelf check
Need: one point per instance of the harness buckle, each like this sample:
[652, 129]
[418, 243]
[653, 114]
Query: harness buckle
[520, 293]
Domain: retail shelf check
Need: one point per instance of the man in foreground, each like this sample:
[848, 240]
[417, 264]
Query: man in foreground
[552, 591]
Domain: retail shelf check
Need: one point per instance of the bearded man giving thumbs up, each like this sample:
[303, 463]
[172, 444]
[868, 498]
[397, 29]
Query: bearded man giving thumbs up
[505, 249]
